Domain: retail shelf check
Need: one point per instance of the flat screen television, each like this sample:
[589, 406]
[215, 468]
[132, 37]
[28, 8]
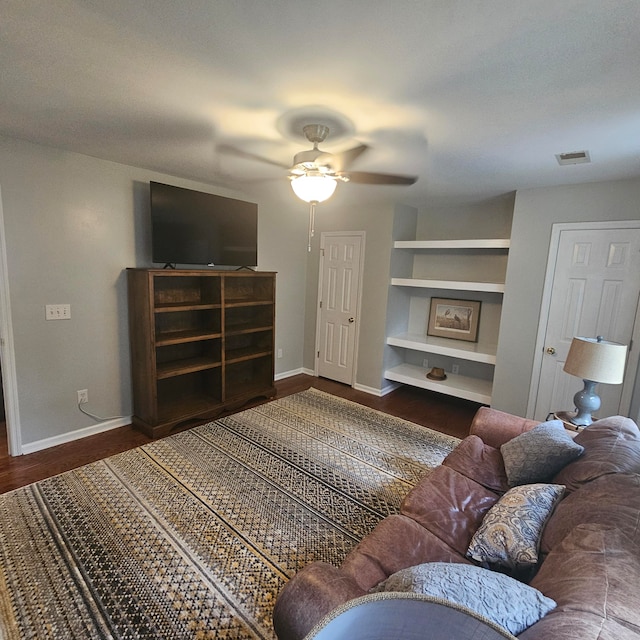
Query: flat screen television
[191, 227]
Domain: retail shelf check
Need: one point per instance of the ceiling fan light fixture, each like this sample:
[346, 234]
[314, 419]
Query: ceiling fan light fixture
[313, 187]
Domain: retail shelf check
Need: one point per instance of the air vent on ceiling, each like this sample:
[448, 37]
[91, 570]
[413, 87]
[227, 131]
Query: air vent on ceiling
[574, 157]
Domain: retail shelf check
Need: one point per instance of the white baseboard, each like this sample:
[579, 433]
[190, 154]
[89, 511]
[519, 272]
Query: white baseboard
[294, 372]
[63, 438]
[377, 392]
[371, 390]
[391, 386]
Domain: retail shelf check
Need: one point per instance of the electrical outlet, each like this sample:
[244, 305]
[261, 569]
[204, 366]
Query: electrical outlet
[83, 396]
[279, 353]
[57, 311]
[425, 363]
[455, 369]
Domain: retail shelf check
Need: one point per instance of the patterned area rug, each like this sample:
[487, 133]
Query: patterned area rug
[194, 535]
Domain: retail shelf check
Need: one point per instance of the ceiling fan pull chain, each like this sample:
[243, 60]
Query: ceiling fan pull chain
[312, 216]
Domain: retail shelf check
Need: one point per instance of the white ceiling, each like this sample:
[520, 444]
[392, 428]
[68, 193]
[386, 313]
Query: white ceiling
[473, 96]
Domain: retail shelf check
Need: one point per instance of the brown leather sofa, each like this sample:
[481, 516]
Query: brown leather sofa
[590, 546]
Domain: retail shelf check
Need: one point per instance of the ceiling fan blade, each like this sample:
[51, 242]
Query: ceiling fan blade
[365, 177]
[247, 155]
[343, 161]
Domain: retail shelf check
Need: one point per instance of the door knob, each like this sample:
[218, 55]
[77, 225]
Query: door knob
[351, 319]
[551, 351]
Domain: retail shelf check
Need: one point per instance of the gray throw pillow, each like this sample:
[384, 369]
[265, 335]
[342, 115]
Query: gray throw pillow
[503, 600]
[537, 455]
[509, 536]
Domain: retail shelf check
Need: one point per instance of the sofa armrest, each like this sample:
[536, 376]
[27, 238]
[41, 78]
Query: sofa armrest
[497, 427]
[310, 595]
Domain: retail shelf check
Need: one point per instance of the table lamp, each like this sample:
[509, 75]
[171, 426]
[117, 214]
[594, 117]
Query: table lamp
[594, 360]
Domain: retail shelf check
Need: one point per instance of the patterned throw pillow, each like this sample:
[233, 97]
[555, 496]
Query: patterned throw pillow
[499, 598]
[537, 455]
[509, 536]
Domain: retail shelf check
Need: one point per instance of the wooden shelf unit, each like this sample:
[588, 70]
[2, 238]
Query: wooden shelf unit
[470, 387]
[202, 342]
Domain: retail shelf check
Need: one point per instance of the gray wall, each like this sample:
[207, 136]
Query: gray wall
[72, 225]
[534, 213]
[486, 219]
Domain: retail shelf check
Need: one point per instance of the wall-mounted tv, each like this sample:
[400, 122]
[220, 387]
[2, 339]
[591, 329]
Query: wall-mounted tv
[191, 227]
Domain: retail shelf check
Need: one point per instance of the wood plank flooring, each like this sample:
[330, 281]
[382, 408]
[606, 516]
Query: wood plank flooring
[433, 410]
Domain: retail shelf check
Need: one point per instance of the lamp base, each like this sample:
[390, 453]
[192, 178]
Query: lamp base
[586, 402]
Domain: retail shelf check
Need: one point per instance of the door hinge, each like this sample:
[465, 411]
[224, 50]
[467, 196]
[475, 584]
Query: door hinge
[630, 345]
[321, 304]
[322, 252]
[318, 354]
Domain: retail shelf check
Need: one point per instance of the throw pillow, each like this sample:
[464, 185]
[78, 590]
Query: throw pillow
[503, 600]
[537, 455]
[509, 536]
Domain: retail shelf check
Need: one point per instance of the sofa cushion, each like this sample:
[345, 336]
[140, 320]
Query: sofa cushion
[509, 536]
[503, 600]
[612, 500]
[480, 462]
[595, 570]
[450, 505]
[537, 455]
[496, 427]
[396, 542]
[611, 445]
[577, 625]
[315, 590]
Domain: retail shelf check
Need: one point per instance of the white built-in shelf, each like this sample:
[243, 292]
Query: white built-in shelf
[472, 243]
[476, 352]
[474, 389]
[455, 285]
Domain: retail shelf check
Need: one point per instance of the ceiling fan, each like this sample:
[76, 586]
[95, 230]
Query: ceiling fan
[337, 165]
[331, 165]
[315, 173]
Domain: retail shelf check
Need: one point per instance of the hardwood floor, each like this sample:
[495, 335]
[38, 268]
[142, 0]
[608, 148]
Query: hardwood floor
[438, 412]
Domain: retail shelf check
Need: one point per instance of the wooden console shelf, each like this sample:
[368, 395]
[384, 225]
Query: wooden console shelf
[201, 342]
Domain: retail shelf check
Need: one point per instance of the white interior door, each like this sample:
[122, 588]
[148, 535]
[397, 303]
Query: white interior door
[594, 291]
[341, 257]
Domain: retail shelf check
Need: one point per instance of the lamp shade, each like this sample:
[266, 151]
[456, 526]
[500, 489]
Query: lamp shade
[313, 188]
[597, 360]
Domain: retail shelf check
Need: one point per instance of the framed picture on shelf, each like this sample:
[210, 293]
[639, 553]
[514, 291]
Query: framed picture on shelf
[457, 319]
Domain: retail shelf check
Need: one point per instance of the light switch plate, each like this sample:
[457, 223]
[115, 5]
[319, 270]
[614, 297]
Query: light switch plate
[58, 311]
